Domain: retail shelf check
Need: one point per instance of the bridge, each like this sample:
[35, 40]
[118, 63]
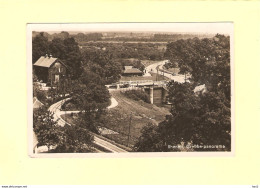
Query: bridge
[157, 90]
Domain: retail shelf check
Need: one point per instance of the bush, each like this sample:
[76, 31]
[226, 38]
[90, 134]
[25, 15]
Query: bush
[137, 95]
[70, 106]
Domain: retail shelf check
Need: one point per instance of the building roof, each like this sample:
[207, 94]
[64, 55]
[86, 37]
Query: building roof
[44, 61]
[132, 71]
[36, 103]
[128, 67]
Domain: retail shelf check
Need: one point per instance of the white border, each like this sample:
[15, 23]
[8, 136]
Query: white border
[136, 186]
[198, 27]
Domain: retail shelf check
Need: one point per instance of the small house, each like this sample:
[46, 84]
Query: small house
[130, 71]
[50, 70]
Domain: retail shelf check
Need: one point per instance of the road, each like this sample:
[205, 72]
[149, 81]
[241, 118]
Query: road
[153, 67]
[55, 109]
[159, 65]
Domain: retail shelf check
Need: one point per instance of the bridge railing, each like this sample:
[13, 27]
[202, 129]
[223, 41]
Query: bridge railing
[143, 82]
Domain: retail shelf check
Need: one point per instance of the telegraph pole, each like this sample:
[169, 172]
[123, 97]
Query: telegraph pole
[157, 74]
[130, 122]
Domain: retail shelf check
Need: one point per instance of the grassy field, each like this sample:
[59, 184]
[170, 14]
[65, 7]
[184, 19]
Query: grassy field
[135, 114]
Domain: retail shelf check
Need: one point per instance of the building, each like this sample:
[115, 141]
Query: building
[36, 103]
[50, 70]
[130, 71]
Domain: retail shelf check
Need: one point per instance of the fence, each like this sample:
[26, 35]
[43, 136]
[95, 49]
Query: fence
[136, 82]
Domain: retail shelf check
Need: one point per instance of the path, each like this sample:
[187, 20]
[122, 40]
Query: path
[55, 109]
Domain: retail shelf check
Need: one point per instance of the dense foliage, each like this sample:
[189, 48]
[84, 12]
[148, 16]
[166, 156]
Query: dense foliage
[90, 72]
[103, 65]
[199, 120]
[91, 97]
[67, 139]
[40, 47]
[66, 49]
[137, 95]
[140, 50]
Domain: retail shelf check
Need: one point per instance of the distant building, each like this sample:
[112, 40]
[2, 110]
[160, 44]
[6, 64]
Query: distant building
[50, 70]
[128, 67]
[130, 71]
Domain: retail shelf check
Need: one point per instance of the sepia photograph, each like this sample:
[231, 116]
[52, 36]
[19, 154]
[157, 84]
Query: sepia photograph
[147, 88]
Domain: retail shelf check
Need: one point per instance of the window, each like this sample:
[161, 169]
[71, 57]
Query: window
[57, 78]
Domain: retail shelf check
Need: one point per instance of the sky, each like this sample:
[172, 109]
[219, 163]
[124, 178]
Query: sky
[211, 28]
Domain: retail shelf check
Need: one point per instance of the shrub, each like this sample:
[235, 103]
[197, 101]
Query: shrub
[69, 106]
[137, 95]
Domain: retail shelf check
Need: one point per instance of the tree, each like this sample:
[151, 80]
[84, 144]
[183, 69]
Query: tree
[103, 64]
[91, 98]
[40, 47]
[60, 139]
[57, 48]
[113, 71]
[202, 118]
[63, 47]
[207, 60]
[150, 140]
[76, 140]
[46, 129]
[67, 50]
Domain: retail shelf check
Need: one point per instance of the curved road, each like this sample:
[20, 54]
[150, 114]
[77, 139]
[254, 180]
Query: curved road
[159, 65]
[55, 109]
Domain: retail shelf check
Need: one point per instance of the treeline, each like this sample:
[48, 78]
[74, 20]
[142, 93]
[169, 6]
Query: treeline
[125, 37]
[175, 37]
[79, 37]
